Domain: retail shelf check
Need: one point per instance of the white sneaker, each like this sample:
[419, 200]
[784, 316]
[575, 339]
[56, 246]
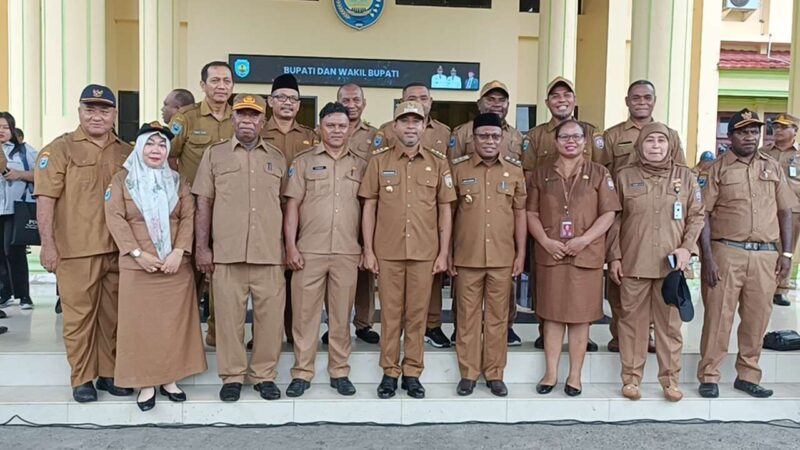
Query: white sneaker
[25, 304]
[6, 303]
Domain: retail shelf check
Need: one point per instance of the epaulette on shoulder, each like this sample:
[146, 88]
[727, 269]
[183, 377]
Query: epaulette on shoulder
[513, 161]
[380, 150]
[460, 159]
[437, 153]
[303, 152]
[221, 141]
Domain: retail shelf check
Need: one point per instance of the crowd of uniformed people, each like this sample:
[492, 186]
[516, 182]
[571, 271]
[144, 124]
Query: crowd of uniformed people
[231, 202]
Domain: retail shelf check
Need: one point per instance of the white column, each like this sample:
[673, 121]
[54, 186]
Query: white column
[558, 43]
[25, 68]
[703, 103]
[158, 64]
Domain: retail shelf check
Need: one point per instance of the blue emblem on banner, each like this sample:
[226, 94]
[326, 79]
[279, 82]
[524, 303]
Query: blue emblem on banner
[241, 67]
[358, 14]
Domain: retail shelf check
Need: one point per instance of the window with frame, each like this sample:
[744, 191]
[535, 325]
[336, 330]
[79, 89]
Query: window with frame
[448, 3]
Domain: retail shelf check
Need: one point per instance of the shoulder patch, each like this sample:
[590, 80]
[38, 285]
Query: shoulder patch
[377, 141]
[526, 143]
[513, 161]
[291, 170]
[460, 159]
[437, 153]
[176, 128]
[453, 141]
[380, 150]
[43, 161]
[599, 141]
[107, 195]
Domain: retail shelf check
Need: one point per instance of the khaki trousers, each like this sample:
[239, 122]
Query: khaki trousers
[365, 300]
[435, 307]
[405, 291]
[336, 275]
[483, 296]
[512, 305]
[748, 281]
[615, 301]
[89, 288]
[642, 302]
[266, 285]
[785, 284]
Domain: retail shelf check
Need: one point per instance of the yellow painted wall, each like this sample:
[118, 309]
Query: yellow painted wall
[777, 86]
[488, 36]
[3, 55]
[122, 45]
[775, 17]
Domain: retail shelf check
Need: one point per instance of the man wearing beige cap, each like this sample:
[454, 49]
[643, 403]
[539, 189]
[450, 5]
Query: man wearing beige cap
[407, 190]
[238, 197]
[785, 150]
[494, 98]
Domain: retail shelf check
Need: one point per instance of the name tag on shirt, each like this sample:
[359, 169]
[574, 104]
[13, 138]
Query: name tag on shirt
[318, 168]
[637, 185]
[389, 173]
[468, 181]
[793, 171]
[677, 211]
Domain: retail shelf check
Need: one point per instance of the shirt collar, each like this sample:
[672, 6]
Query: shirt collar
[476, 160]
[558, 167]
[630, 124]
[205, 109]
[400, 154]
[237, 144]
[272, 124]
[80, 135]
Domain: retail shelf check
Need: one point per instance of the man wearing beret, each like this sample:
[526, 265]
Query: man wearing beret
[786, 151]
[746, 248]
[490, 211]
[435, 135]
[71, 176]
[238, 200]
[406, 224]
[494, 98]
[285, 133]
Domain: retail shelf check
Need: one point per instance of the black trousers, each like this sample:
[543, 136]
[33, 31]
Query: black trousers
[13, 263]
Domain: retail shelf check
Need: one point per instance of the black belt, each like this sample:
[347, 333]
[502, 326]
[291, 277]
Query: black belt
[754, 246]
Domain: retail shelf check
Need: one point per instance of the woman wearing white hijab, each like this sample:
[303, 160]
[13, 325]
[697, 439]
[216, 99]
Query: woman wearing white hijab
[150, 214]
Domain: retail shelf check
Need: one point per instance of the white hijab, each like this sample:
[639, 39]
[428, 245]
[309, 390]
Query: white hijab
[155, 192]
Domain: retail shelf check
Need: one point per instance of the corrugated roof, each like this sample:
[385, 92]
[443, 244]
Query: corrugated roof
[751, 59]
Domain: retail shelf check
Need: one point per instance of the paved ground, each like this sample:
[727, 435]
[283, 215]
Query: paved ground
[649, 436]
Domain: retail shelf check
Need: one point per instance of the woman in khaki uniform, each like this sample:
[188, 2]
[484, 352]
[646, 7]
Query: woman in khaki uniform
[571, 205]
[662, 215]
[150, 214]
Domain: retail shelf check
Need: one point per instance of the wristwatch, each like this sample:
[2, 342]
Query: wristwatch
[136, 253]
[787, 255]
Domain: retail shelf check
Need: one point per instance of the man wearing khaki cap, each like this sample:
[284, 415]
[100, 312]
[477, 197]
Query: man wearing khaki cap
[746, 247]
[786, 151]
[238, 187]
[406, 225]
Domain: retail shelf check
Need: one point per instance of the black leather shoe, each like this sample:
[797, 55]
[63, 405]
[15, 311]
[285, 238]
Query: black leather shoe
[58, 306]
[3, 314]
[539, 343]
[230, 392]
[3, 330]
[269, 391]
[591, 346]
[387, 387]
[324, 338]
[413, 387]
[148, 404]
[755, 390]
[780, 300]
[453, 337]
[297, 387]
[84, 393]
[107, 384]
[343, 386]
[497, 387]
[571, 391]
[465, 387]
[173, 397]
[708, 390]
[368, 335]
[513, 338]
[543, 389]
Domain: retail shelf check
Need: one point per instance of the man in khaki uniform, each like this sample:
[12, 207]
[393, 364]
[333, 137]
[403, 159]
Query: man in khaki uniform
[71, 175]
[406, 223]
[174, 101]
[436, 136]
[238, 199]
[360, 142]
[289, 136]
[490, 211]
[196, 127]
[493, 99]
[619, 152]
[324, 253]
[786, 151]
[539, 149]
[748, 215]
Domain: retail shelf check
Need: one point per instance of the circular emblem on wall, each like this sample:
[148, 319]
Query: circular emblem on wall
[358, 14]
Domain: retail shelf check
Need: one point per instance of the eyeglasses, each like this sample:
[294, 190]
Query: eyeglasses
[564, 138]
[286, 98]
[489, 137]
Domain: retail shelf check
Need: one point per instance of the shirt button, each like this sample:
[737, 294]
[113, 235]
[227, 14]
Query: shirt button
[488, 225]
[337, 194]
[409, 177]
[408, 205]
[408, 235]
[408, 220]
[488, 240]
[658, 212]
[488, 197]
[253, 209]
[336, 210]
[488, 210]
[253, 189]
[253, 227]
[252, 171]
[409, 191]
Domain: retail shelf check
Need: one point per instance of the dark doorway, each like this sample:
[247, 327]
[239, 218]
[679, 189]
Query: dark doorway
[128, 115]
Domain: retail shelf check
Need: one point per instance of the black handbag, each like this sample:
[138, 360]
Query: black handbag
[26, 228]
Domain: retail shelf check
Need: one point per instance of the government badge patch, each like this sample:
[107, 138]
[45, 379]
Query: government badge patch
[358, 14]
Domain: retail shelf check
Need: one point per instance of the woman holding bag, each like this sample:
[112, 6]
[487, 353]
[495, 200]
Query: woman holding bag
[15, 185]
[150, 214]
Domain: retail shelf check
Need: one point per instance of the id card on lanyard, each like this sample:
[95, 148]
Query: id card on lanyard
[566, 228]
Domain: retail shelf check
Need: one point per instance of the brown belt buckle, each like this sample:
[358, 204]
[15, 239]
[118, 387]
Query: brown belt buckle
[750, 246]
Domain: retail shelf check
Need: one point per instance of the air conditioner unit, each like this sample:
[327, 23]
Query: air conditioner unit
[742, 5]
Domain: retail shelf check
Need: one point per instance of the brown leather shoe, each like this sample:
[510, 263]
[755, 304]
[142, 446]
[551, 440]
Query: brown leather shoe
[631, 391]
[211, 340]
[651, 344]
[613, 346]
[673, 394]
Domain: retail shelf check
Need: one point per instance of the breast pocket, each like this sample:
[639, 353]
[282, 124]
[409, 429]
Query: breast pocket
[468, 193]
[85, 170]
[225, 175]
[505, 191]
[390, 186]
[317, 182]
[733, 185]
[632, 197]
[768, 182]
[352, 182]
[199, 141]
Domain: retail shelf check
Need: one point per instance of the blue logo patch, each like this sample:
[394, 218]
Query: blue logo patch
[525, 144]
[176, 128]
[358, 14]
[452, 141]
[107, 197]
[241, 67]
[43, 162]
[377, 141]
[291, 171]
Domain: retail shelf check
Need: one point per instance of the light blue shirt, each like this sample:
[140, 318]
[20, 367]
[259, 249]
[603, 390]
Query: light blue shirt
[11, 191]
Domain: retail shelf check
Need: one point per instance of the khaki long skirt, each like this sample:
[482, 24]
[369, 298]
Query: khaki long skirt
[158, 333]
[569, 294]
